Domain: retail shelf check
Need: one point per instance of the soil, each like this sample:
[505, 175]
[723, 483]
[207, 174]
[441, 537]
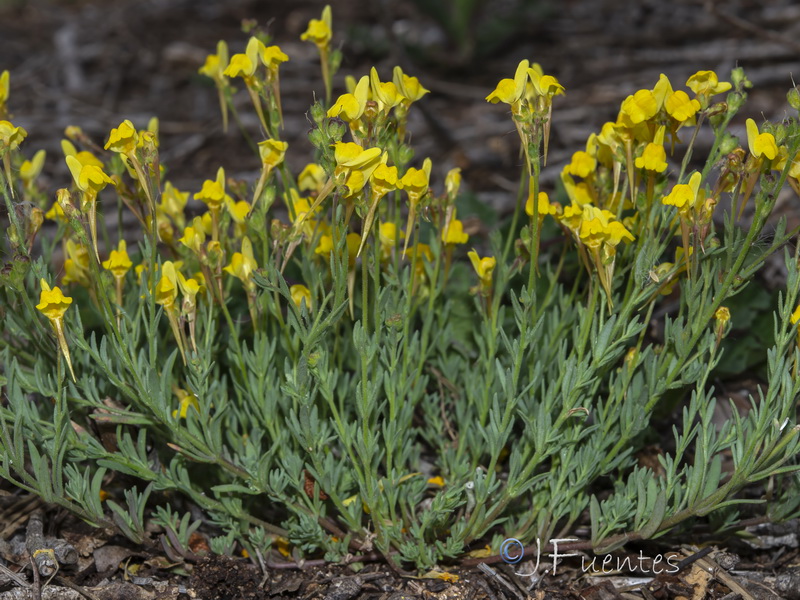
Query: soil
[93, 63]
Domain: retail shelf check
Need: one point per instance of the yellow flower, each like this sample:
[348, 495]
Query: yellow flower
[243, 264]
[722, 315]
[325, 245]
[241, 65]
[452, 183]
[89, 178]
[638, 108]
[662, 90]
[706, 84]
[30, 169]
[300, 294]
[484, 267]
[388, 236]
[56, 213]
[511, 91]
[654, 157]
[213, 192]
[216, 64]
[796, 315]
[684, 195]
[194, 237]
[385, 94]
[76, 265]
[544, 86]
[187, 400]
[680, 107]
[545, 208]
[355, 165]
[599, 227]
[11, 136]
[173, 203]
[239, 210]
[272, 152]
[415, 182]
[4, 81]
[52, 302]
[582, 164]
[272, 57]
[350, 107]
[167, 286]
[119, 263]
[353, 243]
[760, 144]
[84, 157]
[409, 87]
[453, 232]
[319, 31]
[383, 180]
[123, 139]
[311, 178]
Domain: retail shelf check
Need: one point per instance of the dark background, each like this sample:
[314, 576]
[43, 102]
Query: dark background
[93, 63]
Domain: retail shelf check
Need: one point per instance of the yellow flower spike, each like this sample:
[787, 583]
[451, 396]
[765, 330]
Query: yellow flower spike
[706, 84]
[545, 208]
[319, 31]
[662, 90]
[272, 152]
[582, 164]
[453, 232]
[484, 267]
[53, 304]
[409, 87]
[123, 139]
[300, 294]
[311, 178]
[654, 157]
[760, 144]
[243, 264]
[194, 237]
[350, 107]
[682, 108]
[638, 108]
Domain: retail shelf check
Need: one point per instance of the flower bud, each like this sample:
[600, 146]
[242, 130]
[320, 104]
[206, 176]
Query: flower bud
[793, 97]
